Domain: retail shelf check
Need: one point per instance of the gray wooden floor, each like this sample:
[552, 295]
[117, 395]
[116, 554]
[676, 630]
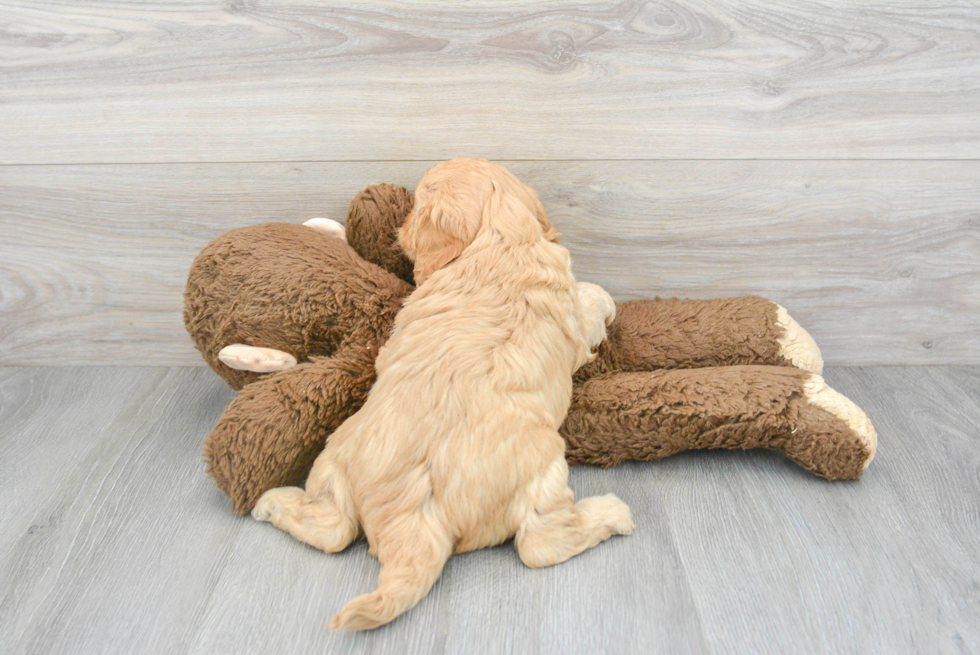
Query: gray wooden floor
[112, 540]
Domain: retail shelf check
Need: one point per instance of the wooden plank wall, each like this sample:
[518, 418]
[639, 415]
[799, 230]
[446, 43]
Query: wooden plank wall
[824, 154]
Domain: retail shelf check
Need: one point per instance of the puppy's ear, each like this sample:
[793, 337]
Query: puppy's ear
[431, 238]
[513, 208]
[550, 233]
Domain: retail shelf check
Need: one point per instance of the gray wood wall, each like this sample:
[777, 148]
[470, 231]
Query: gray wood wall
[824, 154]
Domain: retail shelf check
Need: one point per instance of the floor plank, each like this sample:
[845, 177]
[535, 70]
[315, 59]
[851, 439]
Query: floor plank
[213, 80]
[876, 259]
[937, 523]
[878, 566]
[734, 552]
[47, 430]
[126, 552]
[484, 602]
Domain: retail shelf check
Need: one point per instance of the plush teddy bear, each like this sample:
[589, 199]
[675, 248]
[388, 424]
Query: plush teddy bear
[293, 316]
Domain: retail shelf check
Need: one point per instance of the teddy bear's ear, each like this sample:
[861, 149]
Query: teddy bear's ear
[373, 220]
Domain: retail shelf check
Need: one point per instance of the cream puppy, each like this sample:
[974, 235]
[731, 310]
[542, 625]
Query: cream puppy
[457, 445]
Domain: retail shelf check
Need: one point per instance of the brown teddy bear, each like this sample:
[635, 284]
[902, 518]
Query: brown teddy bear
[293, 316]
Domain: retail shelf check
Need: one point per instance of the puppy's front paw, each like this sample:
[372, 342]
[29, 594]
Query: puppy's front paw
[596, 302]
[328, 226]
[255, 359]
[598, 310]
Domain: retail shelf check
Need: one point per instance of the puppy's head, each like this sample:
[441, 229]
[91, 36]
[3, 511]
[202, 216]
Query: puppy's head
[458, 200]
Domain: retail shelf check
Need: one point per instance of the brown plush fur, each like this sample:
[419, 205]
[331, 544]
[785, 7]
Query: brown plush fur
[373, 221]
[672, 333]
[271, 433]
[649, 393]
[291, 288]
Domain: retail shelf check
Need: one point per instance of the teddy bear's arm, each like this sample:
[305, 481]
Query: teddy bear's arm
[273, 430]
[648, 416]
[674, 333]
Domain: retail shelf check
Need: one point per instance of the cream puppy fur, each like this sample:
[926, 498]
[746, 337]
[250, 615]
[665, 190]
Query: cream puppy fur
[456, 447]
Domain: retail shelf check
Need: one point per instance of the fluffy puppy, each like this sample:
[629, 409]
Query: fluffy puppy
[456, 447]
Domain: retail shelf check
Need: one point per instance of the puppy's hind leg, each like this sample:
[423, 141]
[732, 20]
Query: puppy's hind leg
[324, 518]
[556, 528]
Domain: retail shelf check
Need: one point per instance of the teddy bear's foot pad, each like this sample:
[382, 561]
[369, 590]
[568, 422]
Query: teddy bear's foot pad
[255, 359]
[797, 345]
[818, 393]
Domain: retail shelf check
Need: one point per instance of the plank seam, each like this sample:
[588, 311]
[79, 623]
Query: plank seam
[503, 159]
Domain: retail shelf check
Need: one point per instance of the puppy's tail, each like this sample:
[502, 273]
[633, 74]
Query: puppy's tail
[412, 555]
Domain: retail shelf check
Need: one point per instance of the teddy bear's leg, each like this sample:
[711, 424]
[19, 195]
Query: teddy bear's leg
[327, 226]
[323, 516]
[557, 528]
[253, 358]
[270, 434]
[648, 416]
[672, 333]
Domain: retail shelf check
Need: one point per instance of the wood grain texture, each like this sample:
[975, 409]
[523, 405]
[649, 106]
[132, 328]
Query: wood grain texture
[877, 259]
[242, 80]
[735, 552]
[625, 596]
[115, 561]
[47, 429]
[884, 565]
